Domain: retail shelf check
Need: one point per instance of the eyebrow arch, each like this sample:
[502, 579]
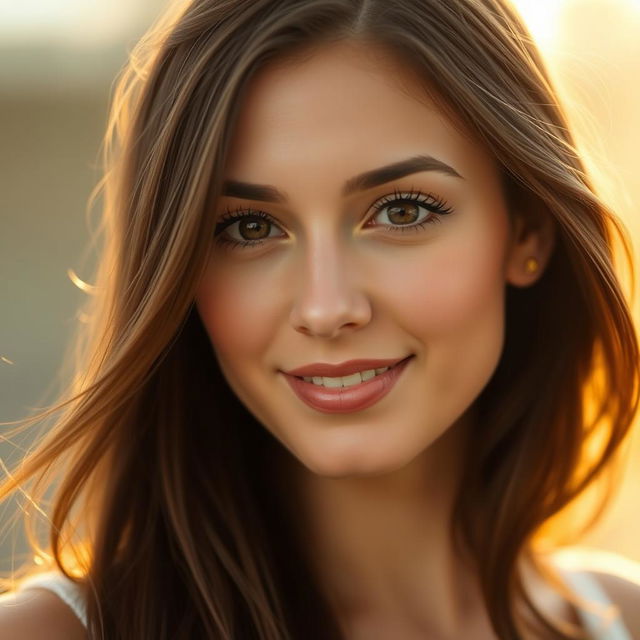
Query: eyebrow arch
[367, 180]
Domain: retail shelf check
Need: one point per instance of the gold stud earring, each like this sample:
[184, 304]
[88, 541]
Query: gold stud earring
[531, 265]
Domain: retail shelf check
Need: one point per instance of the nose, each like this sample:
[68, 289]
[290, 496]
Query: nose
[328, 301]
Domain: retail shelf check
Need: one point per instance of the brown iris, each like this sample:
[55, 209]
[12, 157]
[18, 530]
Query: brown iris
[254, 229]
[403, 214]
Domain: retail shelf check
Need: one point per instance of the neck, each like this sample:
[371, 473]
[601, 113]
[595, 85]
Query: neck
[381, 546]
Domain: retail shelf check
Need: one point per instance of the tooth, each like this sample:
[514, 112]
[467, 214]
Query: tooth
[346, 381]
[354, 378]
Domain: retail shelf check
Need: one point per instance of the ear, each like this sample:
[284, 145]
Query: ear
[531, 236]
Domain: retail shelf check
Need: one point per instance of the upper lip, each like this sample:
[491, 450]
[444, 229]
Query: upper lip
[342, 368]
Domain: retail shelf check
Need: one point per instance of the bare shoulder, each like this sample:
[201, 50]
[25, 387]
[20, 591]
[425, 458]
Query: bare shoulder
[38, 614]
[619, 578]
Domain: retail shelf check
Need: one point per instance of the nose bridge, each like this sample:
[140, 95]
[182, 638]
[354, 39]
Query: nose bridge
[329, 296]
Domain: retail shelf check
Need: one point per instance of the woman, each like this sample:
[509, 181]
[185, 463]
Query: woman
[356, 292]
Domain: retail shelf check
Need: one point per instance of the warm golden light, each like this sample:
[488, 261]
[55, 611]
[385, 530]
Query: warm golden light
[592, 50]
[79, 282]
[541, 17]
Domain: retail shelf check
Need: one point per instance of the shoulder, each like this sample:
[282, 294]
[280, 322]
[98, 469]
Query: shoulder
[38, 614]
[617, 575]
[622, 585]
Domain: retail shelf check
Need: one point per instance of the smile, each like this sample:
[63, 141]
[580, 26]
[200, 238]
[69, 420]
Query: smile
[345, 381]
[347, 393]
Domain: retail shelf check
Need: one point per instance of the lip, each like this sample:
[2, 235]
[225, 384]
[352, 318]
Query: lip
[341, 369]
[347, 399]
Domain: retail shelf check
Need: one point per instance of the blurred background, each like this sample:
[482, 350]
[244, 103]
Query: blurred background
[58, 60]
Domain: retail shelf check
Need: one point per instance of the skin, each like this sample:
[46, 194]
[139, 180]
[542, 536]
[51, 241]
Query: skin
[331, 283]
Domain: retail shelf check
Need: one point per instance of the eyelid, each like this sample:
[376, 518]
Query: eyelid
[411, 194]
[428, 199]
[230, 216]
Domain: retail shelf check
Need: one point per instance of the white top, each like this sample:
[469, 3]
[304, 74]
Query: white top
[603, 621]
[608, 624]
[64, 588]
[605, 625]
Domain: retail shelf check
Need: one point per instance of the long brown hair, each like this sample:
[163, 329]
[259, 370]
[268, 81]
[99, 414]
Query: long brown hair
[163, 507]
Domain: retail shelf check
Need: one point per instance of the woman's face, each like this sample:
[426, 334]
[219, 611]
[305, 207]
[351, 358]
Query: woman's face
[407, 265]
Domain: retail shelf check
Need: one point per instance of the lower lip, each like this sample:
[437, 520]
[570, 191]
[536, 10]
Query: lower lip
[347, 399]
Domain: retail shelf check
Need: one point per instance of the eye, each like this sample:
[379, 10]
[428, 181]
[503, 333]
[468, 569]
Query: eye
[410, 210]
[245, 227]
[404, 211]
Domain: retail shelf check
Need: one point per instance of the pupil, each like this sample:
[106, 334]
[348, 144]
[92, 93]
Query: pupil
[254, 229]
[403, 214]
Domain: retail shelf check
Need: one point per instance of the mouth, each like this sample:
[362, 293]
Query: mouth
[347, 374]
[358, 390]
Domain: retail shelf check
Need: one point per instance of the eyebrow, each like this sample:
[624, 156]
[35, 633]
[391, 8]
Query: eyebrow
[367, 180]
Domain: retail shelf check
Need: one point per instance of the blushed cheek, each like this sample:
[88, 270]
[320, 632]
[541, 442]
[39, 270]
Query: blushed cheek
[458, 315]
[235, 314]
[446, 291]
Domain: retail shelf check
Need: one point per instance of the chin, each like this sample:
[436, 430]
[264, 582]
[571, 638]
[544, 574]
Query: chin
[352, 462]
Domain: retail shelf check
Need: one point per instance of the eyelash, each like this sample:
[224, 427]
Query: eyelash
[435, 205]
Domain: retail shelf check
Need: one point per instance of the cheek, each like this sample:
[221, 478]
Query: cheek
[236, 316]
[454, 305]
[447, 289]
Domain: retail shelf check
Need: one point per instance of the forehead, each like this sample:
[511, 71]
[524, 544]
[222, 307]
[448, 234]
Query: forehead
[341, 109]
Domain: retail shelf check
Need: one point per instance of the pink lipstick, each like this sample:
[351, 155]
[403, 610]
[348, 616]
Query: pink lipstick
[345, 399]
